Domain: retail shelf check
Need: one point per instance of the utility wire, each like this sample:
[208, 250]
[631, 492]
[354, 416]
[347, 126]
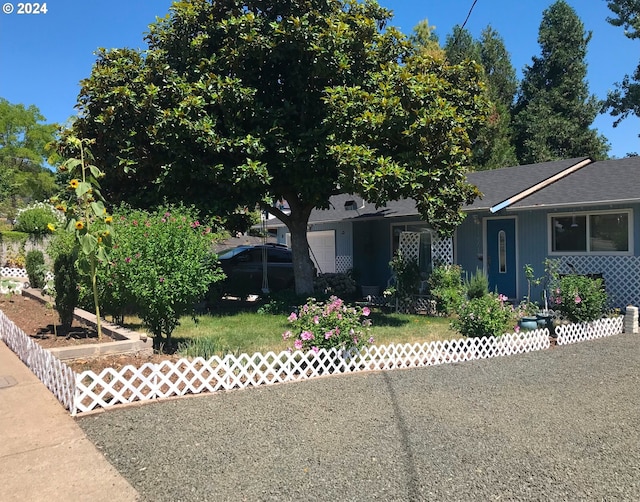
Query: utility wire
[455, 40]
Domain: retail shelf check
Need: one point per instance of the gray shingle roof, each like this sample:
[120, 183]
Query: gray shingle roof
[607, 181]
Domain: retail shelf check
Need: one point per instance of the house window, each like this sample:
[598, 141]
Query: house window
[502, 252]
[605, 232]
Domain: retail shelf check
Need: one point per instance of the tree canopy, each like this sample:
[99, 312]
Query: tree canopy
[625, 99]
[554, 110]
[23, 141]
[242, 102]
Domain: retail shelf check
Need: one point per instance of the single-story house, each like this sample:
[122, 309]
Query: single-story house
[582, 212]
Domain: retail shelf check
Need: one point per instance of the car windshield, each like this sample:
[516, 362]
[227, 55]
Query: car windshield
[230, 253]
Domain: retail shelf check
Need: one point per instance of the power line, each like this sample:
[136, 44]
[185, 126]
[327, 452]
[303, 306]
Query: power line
[455, 40]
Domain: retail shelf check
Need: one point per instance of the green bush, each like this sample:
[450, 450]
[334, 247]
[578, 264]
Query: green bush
[446, 288]
[488, 315]
[477, 286]
[579, 298]
[66, 278]
[407, 278]
[36, 269]
[161, 264]
[205, 347]
[340, 285]
[38, 219]
[281, 302]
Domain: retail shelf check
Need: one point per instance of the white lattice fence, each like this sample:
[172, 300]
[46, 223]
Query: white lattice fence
[57, 376]
[409, 245]
[621, 275]
[344, 263]
[153, 381]
[572, 333]
[442, 250]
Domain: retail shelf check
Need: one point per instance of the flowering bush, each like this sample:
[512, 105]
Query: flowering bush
[579, 298]
[37, 219]
[489, 315]
[319, 325]
[161, 264]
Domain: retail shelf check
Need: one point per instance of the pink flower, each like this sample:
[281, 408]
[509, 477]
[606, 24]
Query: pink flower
[315, 349]
[306, 335]
[161, 279]
[292, 317]
[286, 335]
[578, 299]
[366, 311]
[297, 344]
[328, 335]
[502, 298]
[371, 340]
[516, 329]
[316, 319]
[127, 259]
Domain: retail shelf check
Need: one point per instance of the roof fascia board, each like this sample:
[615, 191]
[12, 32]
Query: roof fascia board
[576, 204]
[539, 186]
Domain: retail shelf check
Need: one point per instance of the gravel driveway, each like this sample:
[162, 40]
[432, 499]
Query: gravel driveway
[561, 424]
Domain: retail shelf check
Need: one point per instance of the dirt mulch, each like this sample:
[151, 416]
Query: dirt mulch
[41, 322]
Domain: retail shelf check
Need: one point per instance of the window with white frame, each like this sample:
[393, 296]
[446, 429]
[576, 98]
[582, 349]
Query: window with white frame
[598, 232]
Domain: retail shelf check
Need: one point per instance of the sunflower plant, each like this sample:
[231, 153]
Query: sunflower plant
[86, 215]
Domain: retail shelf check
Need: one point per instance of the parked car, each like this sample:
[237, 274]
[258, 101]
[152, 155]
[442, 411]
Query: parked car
[243, 267]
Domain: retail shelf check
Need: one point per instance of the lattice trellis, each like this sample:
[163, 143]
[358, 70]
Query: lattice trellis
[409, 245]
[572, 333]
[621, 275]
[442, 250]
[343, 264]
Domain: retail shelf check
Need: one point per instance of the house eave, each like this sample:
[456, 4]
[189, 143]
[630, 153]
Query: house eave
[565, 205]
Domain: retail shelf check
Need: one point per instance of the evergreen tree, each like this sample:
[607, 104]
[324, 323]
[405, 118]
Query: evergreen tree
[625, 99]
[554, 110]
[492, 145]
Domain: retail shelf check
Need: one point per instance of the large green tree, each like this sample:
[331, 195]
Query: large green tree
[554, 110]
[23, 140]
[242, 102]
[492, 144]
[625, 99]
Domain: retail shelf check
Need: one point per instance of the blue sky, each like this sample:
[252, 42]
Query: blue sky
[43, 57]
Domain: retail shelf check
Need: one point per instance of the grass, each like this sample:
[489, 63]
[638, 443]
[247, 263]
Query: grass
[247, 332]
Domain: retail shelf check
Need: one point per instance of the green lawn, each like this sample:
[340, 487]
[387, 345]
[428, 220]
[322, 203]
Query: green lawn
[246, 332]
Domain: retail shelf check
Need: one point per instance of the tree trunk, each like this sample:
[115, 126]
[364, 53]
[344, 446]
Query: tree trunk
[303, 268]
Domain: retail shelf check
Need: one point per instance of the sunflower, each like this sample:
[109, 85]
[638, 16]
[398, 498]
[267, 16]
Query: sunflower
[108, 219]
[79, 225]
[74, 183]
[51, 227]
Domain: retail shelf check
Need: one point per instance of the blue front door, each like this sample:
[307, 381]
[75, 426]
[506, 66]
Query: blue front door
[501, 256]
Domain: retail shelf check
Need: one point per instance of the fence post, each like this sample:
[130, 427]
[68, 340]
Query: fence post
[631, 320]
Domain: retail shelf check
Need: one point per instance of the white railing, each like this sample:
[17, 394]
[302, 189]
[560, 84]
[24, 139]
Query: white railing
[155, 381]
[57, 376]
[580, 332]
[87, 391]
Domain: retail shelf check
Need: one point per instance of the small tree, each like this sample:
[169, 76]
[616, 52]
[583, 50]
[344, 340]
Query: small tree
[162, 264]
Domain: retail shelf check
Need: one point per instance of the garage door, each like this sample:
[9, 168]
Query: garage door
[323, 250]
[322, 246]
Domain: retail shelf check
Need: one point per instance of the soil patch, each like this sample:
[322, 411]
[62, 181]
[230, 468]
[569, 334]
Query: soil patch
[41, 323]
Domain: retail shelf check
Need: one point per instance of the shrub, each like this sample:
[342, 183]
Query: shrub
[280, 302]
[579, 298]
[340, 285]
[407, 276]
[205, 347]
[446, 288]
[37, 219]
[36, 270]
[162, 264]
[66, 279]
[477, 286]
[331, 324]
[488, 315]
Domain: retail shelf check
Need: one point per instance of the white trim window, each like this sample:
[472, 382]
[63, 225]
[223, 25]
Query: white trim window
[594, 232]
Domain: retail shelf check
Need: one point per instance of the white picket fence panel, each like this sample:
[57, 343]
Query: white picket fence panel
[154, 381]
[87, 391]
[580, 332]
[56, 375]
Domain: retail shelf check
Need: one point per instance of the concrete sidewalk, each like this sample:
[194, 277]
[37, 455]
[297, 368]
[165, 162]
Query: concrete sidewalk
[44, 455]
